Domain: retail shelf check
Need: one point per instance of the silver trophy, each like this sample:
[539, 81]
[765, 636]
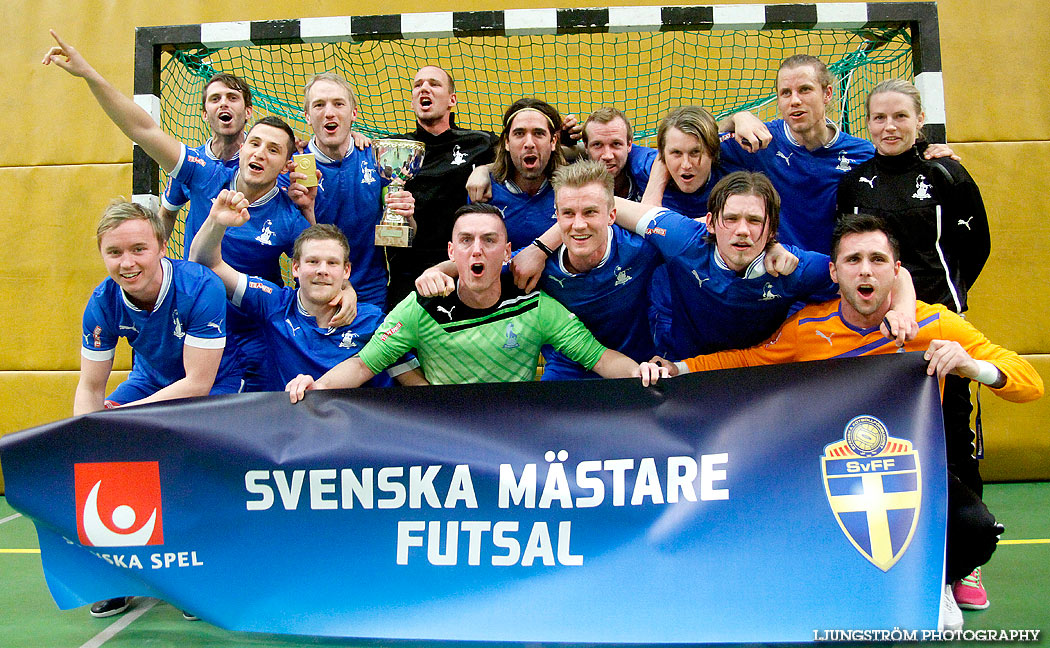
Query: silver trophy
[398, 160]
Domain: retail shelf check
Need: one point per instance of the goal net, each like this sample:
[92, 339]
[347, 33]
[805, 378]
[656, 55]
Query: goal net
[672, 56]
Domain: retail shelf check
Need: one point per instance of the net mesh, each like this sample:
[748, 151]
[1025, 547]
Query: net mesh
[643, 74]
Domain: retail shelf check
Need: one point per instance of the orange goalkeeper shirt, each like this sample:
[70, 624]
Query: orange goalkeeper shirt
[818, 332]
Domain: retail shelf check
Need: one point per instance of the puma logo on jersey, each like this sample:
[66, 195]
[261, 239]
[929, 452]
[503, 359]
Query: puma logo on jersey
[699, 281]
[871, 181]
[447, 311]
[966, 223]
[787, 158]
[216, 325]
[826, 336]
[561, 282]
[294, 328]
[132, 327]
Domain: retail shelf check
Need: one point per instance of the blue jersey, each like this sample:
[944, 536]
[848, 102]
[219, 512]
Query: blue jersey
[176, 194]
[714, 307]
[609, 299]
[253, 248]
[297, 345]
[348, 197]
[190, 311]
[807, 181]
[526, 217]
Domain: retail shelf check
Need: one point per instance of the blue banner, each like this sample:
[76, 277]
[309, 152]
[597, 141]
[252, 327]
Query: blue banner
[756, 505]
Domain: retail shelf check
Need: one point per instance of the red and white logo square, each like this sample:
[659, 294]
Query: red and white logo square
[118, 504]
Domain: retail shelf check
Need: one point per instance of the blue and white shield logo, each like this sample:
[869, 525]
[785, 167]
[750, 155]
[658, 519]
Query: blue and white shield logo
[874, 485]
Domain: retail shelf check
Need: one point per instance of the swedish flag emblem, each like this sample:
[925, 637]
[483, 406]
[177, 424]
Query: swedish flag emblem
[874, 485]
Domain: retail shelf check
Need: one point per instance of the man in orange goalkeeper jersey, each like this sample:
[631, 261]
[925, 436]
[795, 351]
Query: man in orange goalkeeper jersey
[865, 260]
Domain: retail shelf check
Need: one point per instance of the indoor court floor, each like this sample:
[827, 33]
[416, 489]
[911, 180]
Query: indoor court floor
[1017, 579]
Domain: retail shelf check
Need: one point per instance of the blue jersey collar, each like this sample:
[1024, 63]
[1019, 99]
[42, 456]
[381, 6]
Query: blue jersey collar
[165, 287]
[829, 144]
[267, 197]
[311, 146]
[754, 270]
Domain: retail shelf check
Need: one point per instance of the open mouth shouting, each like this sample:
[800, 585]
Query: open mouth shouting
[477, 269]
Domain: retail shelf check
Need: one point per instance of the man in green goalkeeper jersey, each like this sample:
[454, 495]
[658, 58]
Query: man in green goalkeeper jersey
[486, 330]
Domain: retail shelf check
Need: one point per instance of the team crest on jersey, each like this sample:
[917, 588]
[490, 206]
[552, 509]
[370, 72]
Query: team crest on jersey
[458, 156]
[874, 486]
[348, 340]
[512, 337]
[922, 190]
[621, 276]
[177, 324]
[845, 164]
[266, 236]
[367, 175]
[768, 294]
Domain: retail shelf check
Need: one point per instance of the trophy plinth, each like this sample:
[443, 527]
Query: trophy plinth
[398, 161]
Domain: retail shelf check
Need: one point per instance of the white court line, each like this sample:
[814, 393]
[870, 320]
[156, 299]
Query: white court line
[10, 517]
[112, 630]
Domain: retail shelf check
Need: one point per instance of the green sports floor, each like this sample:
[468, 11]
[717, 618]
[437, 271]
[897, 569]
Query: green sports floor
[1017, 579]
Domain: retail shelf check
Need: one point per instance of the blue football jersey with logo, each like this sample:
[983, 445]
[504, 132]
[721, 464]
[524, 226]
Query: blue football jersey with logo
[807, 181]
[253, 248]
[176, 194]
[715, 308]
[526, 217]
[610, 300]
[297, 344]
[349, 197]
[190, 311]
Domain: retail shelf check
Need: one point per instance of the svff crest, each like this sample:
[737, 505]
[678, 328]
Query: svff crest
[874, 486]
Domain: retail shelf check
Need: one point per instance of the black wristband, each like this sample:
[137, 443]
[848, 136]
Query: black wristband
[546, 250]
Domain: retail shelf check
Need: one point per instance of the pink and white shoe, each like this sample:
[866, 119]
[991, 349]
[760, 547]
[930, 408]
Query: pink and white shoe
[969, 592]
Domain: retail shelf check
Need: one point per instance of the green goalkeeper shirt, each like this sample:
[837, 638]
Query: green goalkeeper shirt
[459, 344]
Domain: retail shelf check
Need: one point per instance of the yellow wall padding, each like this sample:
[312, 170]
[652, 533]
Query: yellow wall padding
[52, 260]
[31, 398]
[1017, 435]
[1007, 302]
[996, 60]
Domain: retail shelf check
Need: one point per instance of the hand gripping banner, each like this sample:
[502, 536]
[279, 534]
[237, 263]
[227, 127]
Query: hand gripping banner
[753, 505]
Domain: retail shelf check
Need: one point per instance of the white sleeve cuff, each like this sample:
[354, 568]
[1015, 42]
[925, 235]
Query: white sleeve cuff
[403, 367]
[987, 373]
[645, 222]
[238, 293]
[98, 356]
[682, 367]
[204, 343]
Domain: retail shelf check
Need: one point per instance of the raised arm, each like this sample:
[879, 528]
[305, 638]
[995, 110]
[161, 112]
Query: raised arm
[229, 209]
[125, 113]
[749, 131]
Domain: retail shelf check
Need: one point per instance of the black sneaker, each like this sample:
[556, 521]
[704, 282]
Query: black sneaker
[110, 607]
[190, 617]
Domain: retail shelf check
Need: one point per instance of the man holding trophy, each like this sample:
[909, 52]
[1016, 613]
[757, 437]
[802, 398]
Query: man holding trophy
[348, 195]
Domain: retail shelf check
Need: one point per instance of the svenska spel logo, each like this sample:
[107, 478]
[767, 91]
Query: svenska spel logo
[874, 486]
[118, 504]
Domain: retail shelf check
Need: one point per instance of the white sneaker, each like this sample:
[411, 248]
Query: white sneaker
[951, 617]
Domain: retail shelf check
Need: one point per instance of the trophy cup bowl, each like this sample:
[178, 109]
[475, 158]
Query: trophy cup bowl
[398, 160]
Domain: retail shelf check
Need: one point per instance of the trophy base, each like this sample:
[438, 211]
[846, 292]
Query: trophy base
[394, 235]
